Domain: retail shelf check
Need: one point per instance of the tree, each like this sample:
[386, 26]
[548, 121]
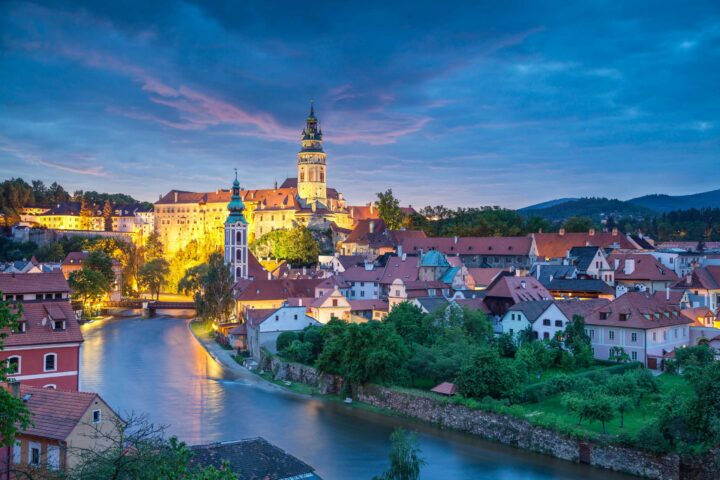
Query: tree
[211, 284]
[90, 286]
[578, 224]
[138, 450]
[152, 276]
[600, 408]
[389, 210]
[297, 246]
[107, 216]
[153, 248]
[409, 322]
[14, 415]
[284, 340]
[618, 354]
[487, 374]
[86, 215]
[100, 262]
[535, 356]
[405, 459]
[625, 390]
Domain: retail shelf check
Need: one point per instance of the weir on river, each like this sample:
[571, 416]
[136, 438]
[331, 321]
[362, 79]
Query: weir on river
[156, 367]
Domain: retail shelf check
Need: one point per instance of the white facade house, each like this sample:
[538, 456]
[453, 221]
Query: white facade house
[323, 309]
[264, 327]
[236, 235]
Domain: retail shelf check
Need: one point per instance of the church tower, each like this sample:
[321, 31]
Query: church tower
[311, 184]
[236, 235]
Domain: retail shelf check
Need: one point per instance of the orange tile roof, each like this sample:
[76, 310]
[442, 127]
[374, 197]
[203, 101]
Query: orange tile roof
[35, 313]
[55, 413]
[508, 286]
[484, 276]
[469, 245]
[555, 245]
[647, 267]
[28, 283]
[281, 289]
[641, 311]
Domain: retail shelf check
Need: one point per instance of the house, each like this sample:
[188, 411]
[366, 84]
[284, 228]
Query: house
[264, 326]
[64, 424]
[703, 287]
[592, 262]
[701, 317]
[477, 252]
[374, 309]
[645, 326]
[641, 271]
[333, 305]
[403, 268]
[369, 237]
[363, 281]
[401, 291]
[271, 293]
[546, 272]
[580, 288]
[681, 261]
[507, 290]
[480, 278]
[523, 315]
[557, 245]
[252, 459]
[44, 350]
[340, 263]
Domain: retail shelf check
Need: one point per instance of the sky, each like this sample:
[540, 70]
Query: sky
[455, 103]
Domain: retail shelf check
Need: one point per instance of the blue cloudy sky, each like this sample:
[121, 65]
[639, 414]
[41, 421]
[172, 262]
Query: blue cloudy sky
[460, 103]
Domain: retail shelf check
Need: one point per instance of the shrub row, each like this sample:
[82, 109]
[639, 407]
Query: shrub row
[540, 391]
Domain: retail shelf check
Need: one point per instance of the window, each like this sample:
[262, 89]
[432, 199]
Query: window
[34, 454]
[50, 386]
[558, 323]
[633, 355]
[362, 293]
[546, 322]
[50, 362]
[664, 334]
[97, 416]
[623, 317]
[334, 302]
[17, 453]
[654, 336]
[13, 365]
[59, 325]
[53, 457]
[277, 318]
[676, 332]
[295, 317]
[611, 334]
[633, 337]
[546, 336]
[591, 334]
[511, 331]
[604, 315]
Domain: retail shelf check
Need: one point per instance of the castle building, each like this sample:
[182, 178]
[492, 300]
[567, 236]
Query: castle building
[236, 235]
[182, 216]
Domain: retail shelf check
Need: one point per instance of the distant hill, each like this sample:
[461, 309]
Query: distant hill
[595, 208]
[548, 204]
[667, 203]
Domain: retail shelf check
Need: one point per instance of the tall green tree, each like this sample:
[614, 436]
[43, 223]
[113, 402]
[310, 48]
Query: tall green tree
[86, 214]
[90, 286]
[577, 224]
[389, 210]
[152, 276]
[211, 285]
[487, 374]
[405, 457]
[107, 216]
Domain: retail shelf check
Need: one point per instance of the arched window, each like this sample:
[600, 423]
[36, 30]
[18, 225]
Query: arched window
[50, 386]
[238, 237]
[50, 362]
[13, 365]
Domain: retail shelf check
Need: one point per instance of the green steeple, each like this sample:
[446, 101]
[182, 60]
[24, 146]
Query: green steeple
[236, 206]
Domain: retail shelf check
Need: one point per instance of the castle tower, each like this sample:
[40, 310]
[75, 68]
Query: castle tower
[311, 183]
[236, 235]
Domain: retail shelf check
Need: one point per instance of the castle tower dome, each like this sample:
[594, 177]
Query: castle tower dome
[236, 235]
[312, 180]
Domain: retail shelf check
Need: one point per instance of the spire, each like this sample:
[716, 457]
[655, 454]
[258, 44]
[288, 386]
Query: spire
[312, 108]
[236, 205]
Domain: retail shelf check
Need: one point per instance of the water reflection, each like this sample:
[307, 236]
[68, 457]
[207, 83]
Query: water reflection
[156, 367]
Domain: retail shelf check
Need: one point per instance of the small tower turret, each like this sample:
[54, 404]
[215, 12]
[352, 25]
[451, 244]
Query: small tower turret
[312, 182]
[236, 235]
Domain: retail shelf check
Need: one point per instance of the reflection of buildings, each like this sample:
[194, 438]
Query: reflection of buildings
[306, 200]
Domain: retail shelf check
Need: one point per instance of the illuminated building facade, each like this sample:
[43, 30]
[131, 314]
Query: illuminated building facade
[182, 216]
[236, 235]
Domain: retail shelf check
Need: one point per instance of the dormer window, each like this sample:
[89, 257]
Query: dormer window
[624, 316]
[21, 327]
[604, 315]
[59, 325]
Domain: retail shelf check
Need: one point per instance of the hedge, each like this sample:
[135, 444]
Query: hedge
[540, 391]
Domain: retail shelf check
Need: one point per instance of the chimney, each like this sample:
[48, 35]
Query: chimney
[371, 226]
[175, 197]
[372, 208]
[403, 257]
[591, 232]
[300, 302]
[667, 293]
[629, 266]
[561, 232]
[455, 239]
[14, 388]
[522, 284]
[615, 232]
[399, 250]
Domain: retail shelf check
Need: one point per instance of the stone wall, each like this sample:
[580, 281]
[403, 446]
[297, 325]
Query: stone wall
[298, 373]
[522, 434]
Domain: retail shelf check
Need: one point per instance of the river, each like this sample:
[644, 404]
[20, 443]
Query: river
[156, 367]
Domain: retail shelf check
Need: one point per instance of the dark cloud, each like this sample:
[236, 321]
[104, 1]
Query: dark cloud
[501, 102]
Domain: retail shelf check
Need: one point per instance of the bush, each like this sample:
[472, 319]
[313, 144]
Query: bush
[300, 352]
[284, 340]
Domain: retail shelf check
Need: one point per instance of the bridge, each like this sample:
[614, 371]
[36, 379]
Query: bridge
[149, 307]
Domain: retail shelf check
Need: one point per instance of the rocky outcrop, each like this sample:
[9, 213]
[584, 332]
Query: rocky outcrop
[298, 373]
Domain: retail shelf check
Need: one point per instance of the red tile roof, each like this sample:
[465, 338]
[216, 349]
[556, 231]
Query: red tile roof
[705, 278]
[646, 267]
[519, 289]
[364, 212]
[473, 304]
[369, 304]
[640, 310]
[283, 197]
[28, 283]
[35, 313]
[75, 258]
[700, 312]
[555, 245]
[583, 308]
[469, 245]
[484, 276]
[445, 388]
[55, 413]
[281, 289]
[360, 274]
[362, 235]
[406, 270]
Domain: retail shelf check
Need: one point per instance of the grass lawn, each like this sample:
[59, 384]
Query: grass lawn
[200, 328]
[551, 410]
